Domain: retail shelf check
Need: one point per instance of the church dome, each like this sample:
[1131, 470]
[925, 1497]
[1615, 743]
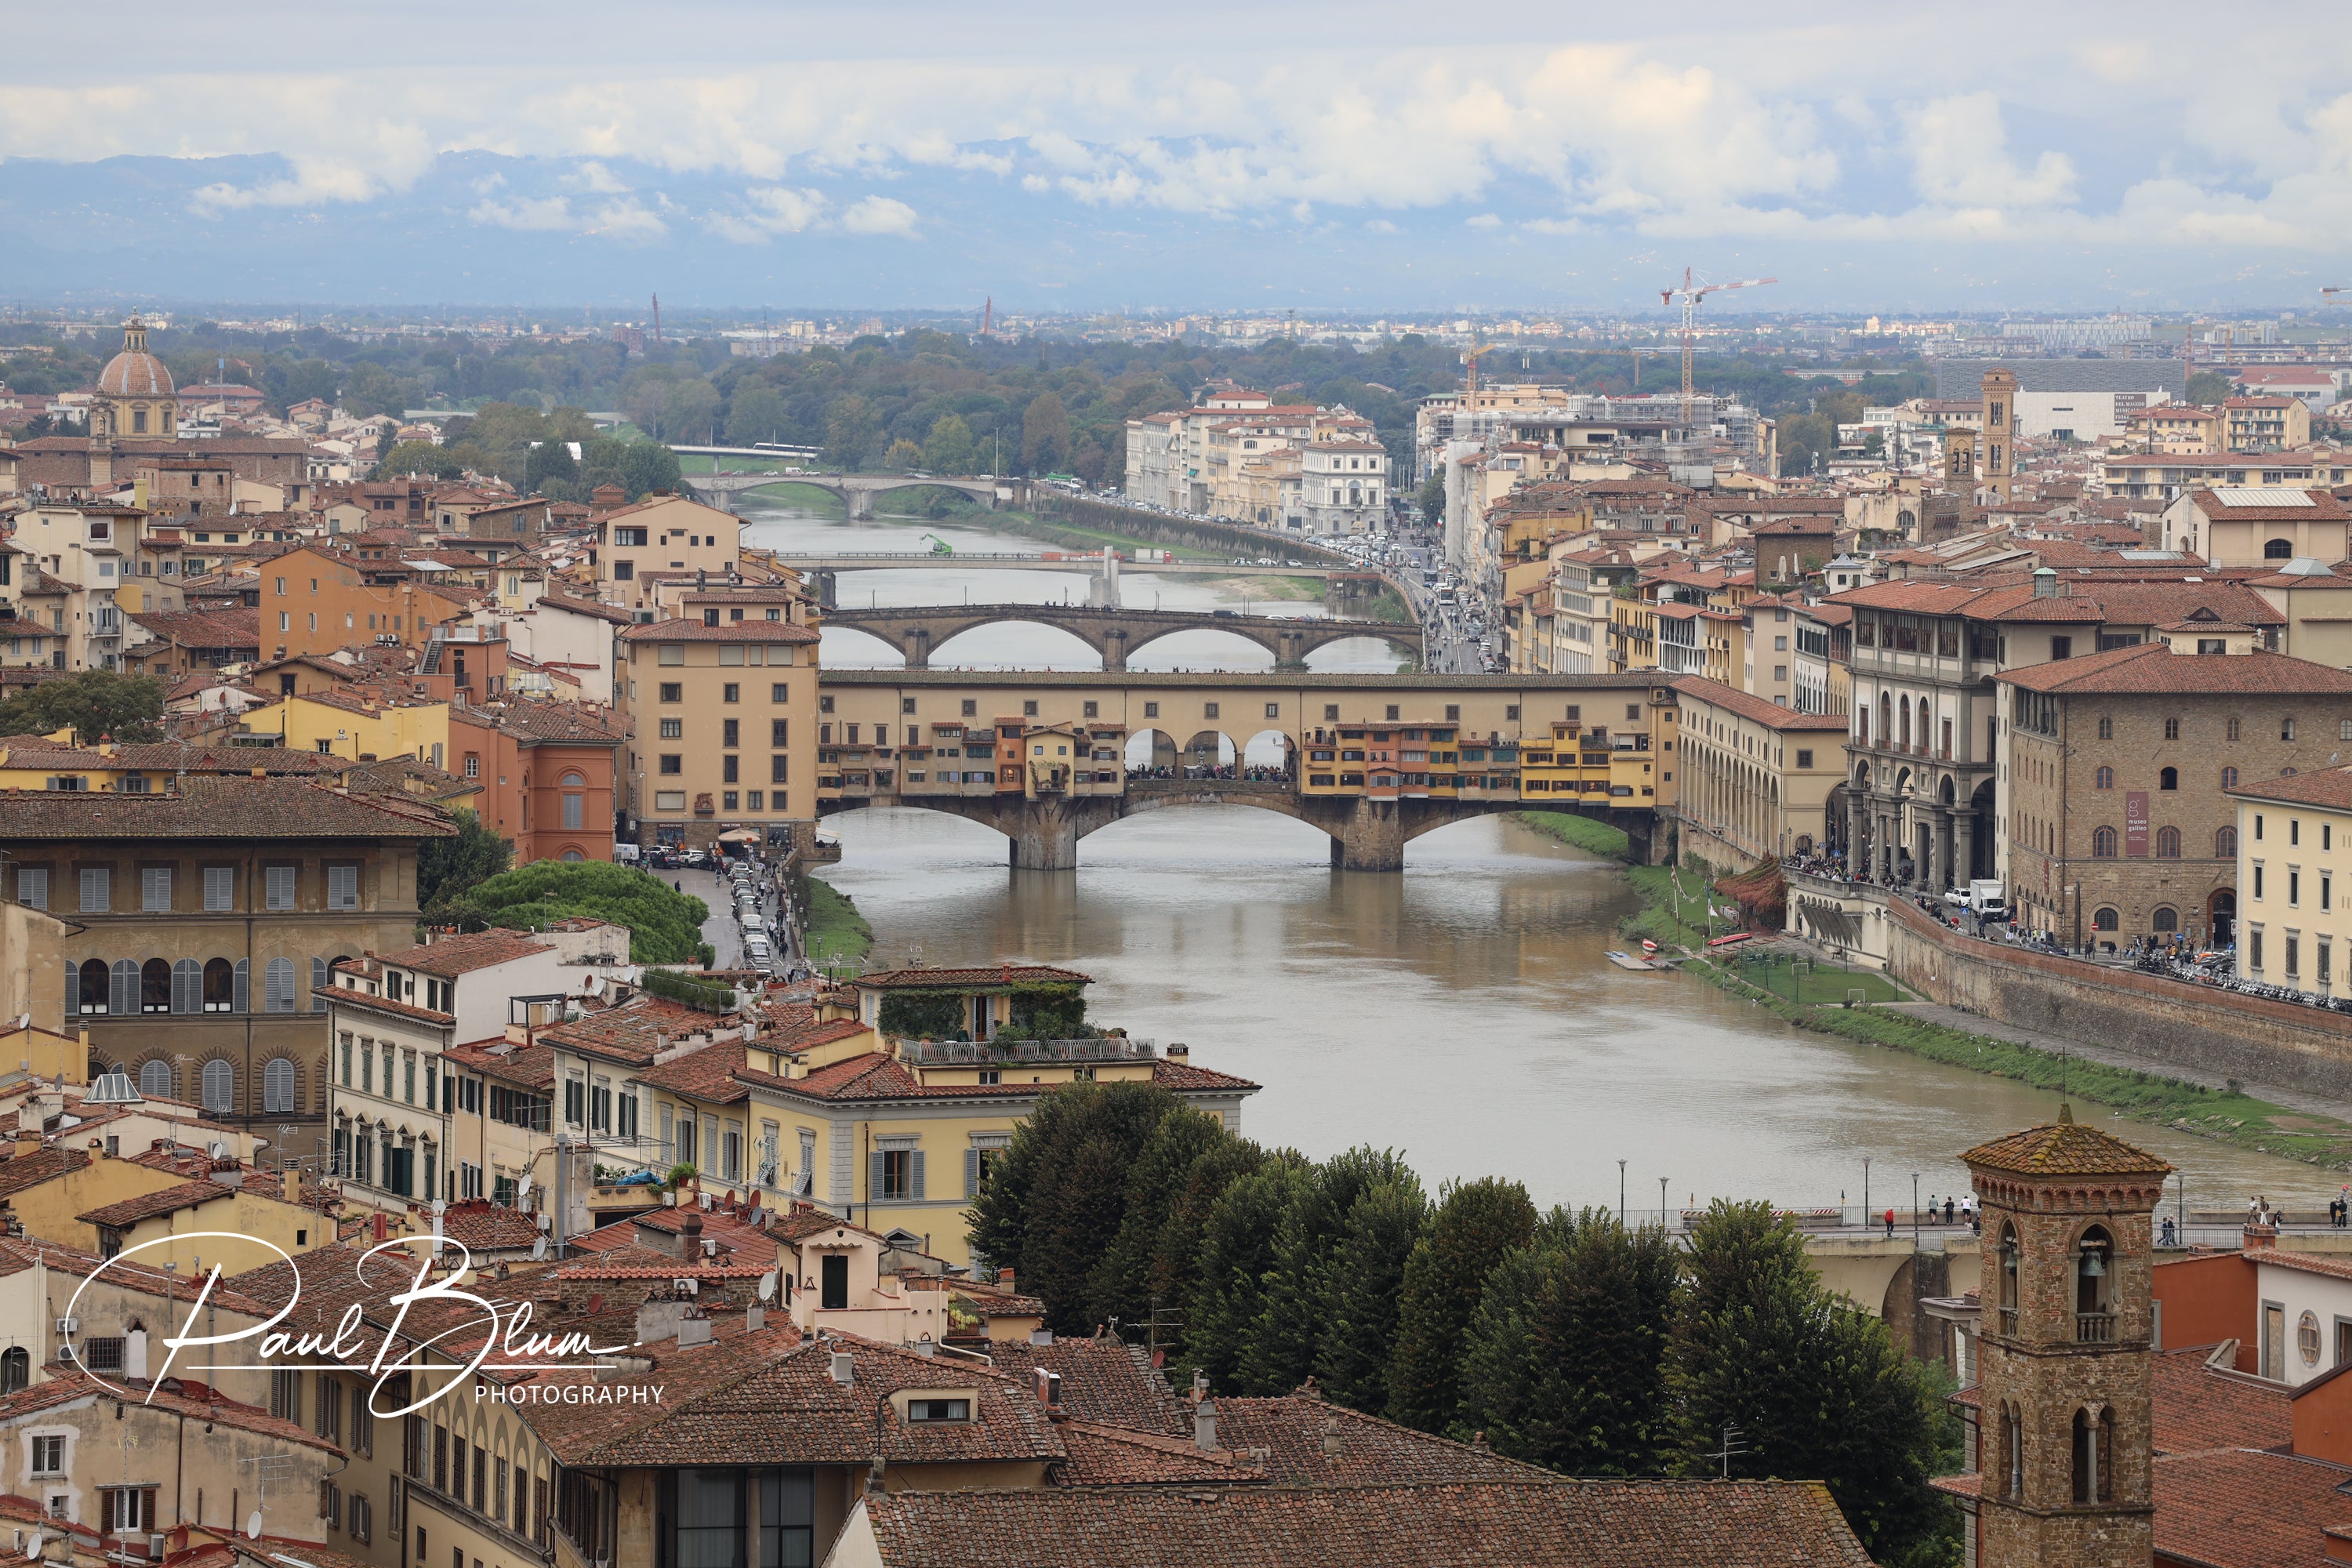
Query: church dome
[134, 373]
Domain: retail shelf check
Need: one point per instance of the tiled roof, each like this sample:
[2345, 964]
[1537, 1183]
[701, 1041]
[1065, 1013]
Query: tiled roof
[635, 1031]
[2202, 1406]
[226, 808]
[554, 721]
[728, 631]
[767, 1398]
[612, 613]
[1487, 1524]
[148, 1205]
[203, 628]
[169, 756]
[484, 1226]
[19, 1252]
[966, 979]
[30, 1169]
[1104, 1381]
[1298, 1433]
[533, 1065]
[706, 1074]
[2065, 1148]
[451, 956]
[1731, 698]
[2329, 788]
[66, 1383]
[1116, 1457]
[2247, 1508]
[2153, 667]
[877, 1077]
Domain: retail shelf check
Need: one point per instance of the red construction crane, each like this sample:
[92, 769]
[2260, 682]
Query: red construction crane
[2328, 295]
[1692, 291]
[987, 315]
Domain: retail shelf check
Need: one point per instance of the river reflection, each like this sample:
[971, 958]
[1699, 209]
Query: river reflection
[1462, 1012]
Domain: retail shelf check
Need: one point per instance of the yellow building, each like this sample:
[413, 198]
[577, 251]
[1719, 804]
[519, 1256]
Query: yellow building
[2295, 904]
[1755, 777]
[102, 1205]
[341, 723]
[1581, 763]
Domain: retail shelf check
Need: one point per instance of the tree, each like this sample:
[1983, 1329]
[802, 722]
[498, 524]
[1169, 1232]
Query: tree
[1477, 1224]
[1367, 1280]
[1125, 1281]
[852, 431]
[1053, 1204]
[902, 457]
[1432, 498]
[665, 925]
[2208, 386]
[949, 449]
[446, 868]
[1816, 1389]
[94, 704]
[757, 413]
[690, 411]
[1299, 1288]
[1565, 1364]
[1237, 1250]
[550, 461]
[648, 467]
[1044, 433]
[410, 458]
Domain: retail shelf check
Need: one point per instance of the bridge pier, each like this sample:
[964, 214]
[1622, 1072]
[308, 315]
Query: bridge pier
[1371, 838]
[1042, 836]
[858, 503]
[917, 648]
[1114, 651]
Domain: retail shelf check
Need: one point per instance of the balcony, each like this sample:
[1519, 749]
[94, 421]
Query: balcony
[1001, 1052]
[2095, 1328]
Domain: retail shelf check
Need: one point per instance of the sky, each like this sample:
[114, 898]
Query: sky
[1372, 157]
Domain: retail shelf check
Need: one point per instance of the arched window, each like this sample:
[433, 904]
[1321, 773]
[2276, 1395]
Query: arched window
[16, 1369]
[125, 998]
[574, 855]
[575, 804]
[155, 1080]
[2165, 920]
[2094, 1452]
[2229, 778]
[155, 986]
[2105, 778]
[2168, 844]
[1907, 726]
[278, 1087]
[96, 988]
[277, 985]
[2225, 844]
[318, 983]
[187, 986]
[2094, 1272]
[2102, 844]
[2278, 550]
[220, 1086]
[2014, 1446]
[220, 985]
[2167, 778]
[2106, 919]
[2009, 1264]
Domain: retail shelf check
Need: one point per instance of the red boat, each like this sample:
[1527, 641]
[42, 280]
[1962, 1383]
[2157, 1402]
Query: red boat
[1649, 947]
[1730, 939]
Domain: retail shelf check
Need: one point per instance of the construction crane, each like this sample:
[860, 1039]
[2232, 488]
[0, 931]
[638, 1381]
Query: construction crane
[1691, 292]
[1470, 358]
[987, 315]
[2327, 296]
[1636, 354]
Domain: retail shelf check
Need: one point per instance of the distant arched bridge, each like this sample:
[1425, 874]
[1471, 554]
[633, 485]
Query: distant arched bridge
[1115, 634]
[857, 490]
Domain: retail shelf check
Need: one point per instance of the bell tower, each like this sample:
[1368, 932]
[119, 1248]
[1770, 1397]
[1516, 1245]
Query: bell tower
[2066, 1404]
[1998, 470]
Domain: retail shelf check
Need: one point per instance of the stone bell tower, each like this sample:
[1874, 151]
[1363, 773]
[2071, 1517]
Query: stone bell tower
[2065, 1392]
[1998, 441]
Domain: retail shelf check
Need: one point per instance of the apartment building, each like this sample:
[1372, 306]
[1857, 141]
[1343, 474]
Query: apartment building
[73, 578]
[394, 1019]
[2118, 812]
[210, 914]
[1239, 454]
[315, 599]
[1756, 778]
[661, 538]
[2291, 836]
[2257, 526]
[2163, 478]
[717, 710]
[2258, 424]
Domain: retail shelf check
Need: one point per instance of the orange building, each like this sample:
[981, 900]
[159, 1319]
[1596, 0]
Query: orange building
[316, 601]
[546, 771]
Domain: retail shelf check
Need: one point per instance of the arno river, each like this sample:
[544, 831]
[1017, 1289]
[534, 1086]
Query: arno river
[1462, 1013]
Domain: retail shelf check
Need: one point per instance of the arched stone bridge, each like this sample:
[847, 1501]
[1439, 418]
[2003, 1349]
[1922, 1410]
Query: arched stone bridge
[1366, 835]
[1115, 634]
[856, 491]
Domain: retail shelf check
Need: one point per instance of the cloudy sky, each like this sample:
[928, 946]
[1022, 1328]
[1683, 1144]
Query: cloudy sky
[1213, 156]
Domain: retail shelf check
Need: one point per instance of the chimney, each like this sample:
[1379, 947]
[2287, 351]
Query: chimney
[691, 1242]
[845, 1369]
[1332, 1443]
[2259, 1237]
[1204, 1426]
[1049, 1388]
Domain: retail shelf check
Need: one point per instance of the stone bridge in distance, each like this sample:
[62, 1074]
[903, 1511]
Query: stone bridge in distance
[856, 491]
[1367, 832]
[1116, 634]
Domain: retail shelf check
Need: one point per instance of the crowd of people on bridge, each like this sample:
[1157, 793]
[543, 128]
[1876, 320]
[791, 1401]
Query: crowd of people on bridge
[1203, 771]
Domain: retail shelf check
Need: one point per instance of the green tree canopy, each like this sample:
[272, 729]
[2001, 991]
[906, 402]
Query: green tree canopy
[94, 704]
[1476, 1226]
[949, 448]
[1044, 433]
[419, 458]
[852, 433]
[757, 414]
[665, 925]
[448, 869]
[902, 457]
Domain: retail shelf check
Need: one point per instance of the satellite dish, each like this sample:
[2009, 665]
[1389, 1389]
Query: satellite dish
[538, 1250]
[33, 1547]
[253, 1526]
[768, 1286]
[523, 1186]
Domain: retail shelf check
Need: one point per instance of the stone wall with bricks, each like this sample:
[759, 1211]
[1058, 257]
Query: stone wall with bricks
[2213, 1033]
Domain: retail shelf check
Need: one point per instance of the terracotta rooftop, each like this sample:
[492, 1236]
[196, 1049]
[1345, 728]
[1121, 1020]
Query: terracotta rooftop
[1731, 698]
[2065, 1148]
[728, 631]
[2153, 667]
[2327, 787]
[1302, 1440]
[149, 1205]
[216, 808]
[451, 956]
[2198, 1406]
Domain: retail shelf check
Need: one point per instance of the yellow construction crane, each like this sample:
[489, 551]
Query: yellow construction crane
[1691, 291]
[1470, 358]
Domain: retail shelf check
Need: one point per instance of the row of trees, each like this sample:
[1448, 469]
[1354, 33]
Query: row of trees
[533, 451]
[95, 703]
[1569, 1340]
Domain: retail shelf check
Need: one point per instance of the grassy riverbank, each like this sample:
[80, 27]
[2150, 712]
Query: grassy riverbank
[1821, 1003]
[835, 930]
[1584, 832]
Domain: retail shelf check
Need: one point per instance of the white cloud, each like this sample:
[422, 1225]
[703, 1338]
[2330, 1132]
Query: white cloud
[546, 213]
[1960, 151]
[879, 214]
[1381, 225]
[1484, 220]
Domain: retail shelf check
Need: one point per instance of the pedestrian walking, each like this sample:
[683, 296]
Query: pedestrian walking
[1948, 1211]
[2170, 1237]
[1890, 1224]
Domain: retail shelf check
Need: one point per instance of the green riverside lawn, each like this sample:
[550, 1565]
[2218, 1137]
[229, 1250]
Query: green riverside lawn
[1822, 1002]
[834, 929]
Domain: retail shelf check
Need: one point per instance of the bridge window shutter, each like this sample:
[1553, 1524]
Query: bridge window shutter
[244, 979]
[873, 1177]
[915, 1176]
[972, 1172]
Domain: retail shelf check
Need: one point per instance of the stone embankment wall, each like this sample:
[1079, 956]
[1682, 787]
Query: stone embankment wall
[1228, 539]
[2208, 1032]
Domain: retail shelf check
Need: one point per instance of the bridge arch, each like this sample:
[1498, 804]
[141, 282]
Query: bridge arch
[1269, 748]
[1077, 650]
[1210, 748]
[854, 647]
[1153, 750]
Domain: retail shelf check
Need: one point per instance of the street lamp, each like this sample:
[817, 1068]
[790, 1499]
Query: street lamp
[1914, 1211]
[1662, 1202]
[1621, 1192]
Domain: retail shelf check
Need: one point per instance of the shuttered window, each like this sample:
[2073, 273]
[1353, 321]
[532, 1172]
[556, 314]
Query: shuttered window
[343, 886]
[278, 886]
[97, 889]
[220, 888]
[155, 889]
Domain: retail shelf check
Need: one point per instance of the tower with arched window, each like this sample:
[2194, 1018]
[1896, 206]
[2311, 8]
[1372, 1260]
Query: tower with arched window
[2064, 1390]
